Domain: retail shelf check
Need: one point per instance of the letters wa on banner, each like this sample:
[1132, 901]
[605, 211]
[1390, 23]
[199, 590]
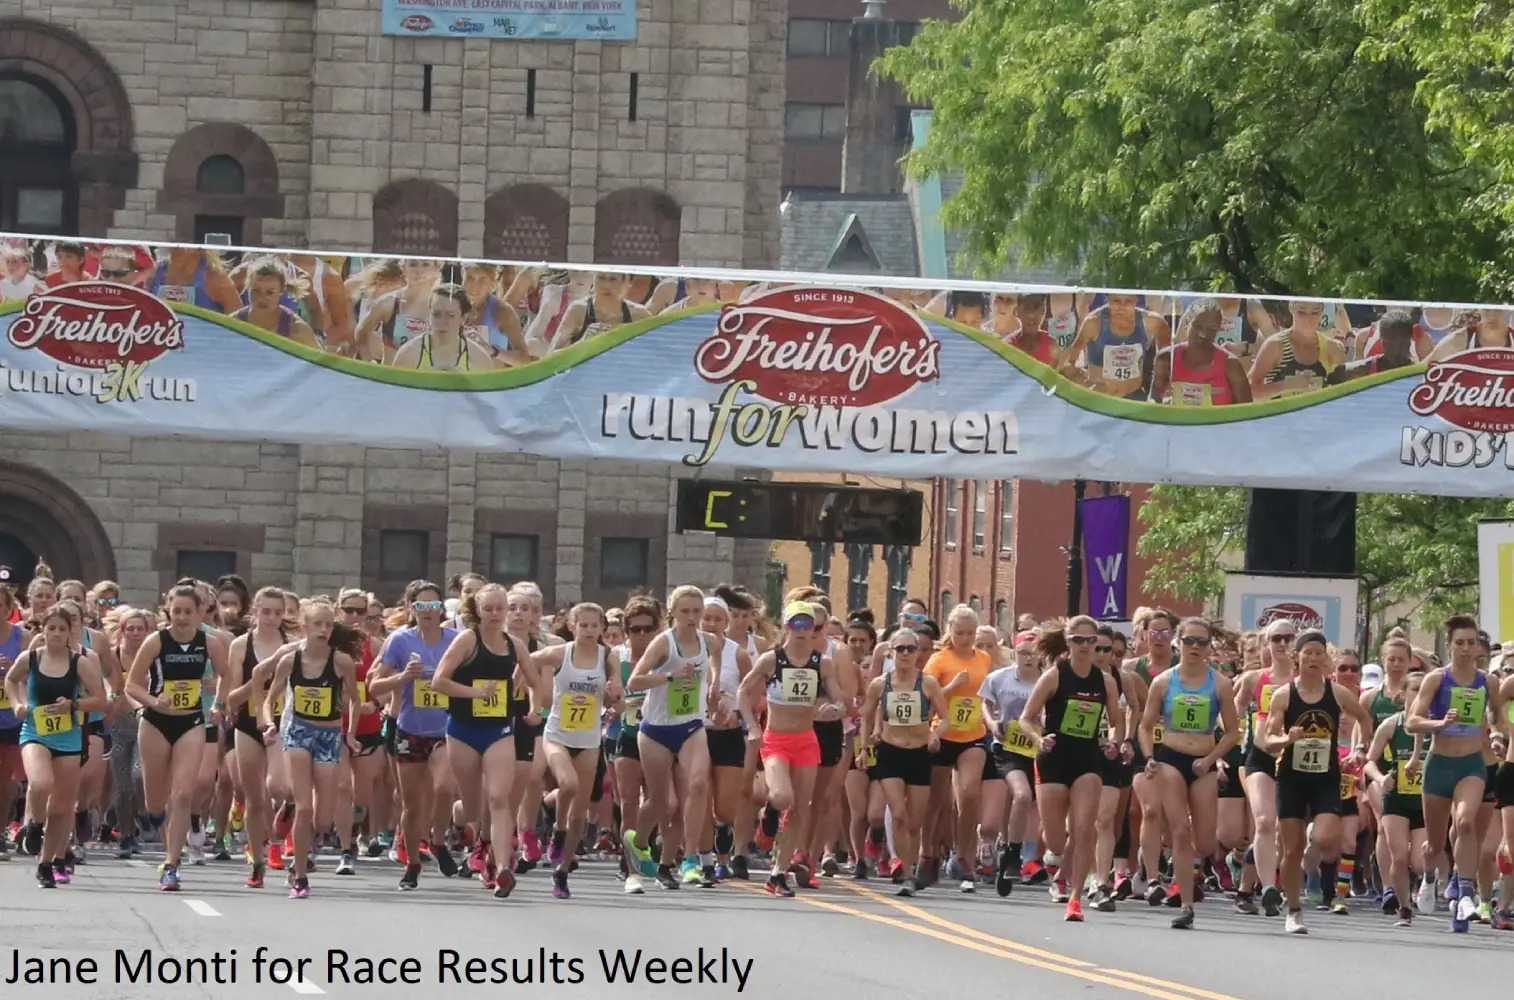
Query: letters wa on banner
[724, 368]
[1106, 543]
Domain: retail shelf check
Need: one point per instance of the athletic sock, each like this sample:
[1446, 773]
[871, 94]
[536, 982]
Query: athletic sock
[1327, 876]
[1343, 875]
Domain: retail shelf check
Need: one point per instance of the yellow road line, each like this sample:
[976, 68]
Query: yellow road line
[926, 924]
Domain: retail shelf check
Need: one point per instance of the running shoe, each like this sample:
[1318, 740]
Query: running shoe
[411, 879]
[666, 878]
[739, 869]
[1123, 889]
[633, 885]
[444, 861]
[301, 888]
[688, 871]
[504, 883]
[125, 847]
[77, 855]
[1501, 920]
[908, 887]
[1059, 891]
[31, 840]
[168, 879]
[1405, 917]
[61, 874]
[557, 846]
[1390, 901]
[1184, 920]
[276, 855]
[255, 877]
[560, 886]
[859, 871]
[778, 885]
[1004, 880]
[829, 866]
[1484, 912]
[478, 858]
[799, 867]
[238, 817]
[1156, 894]
[707, 879]
[1339, 907]
[223, 849]
[1034, 873]
[639, 855]
[196, 847]
[1103, 900]
[1424, 900]
[1272, 901]
[530, 846]
[1295, 923]
[347, 865]
[1074, 912]
[45, 879]
[1245, 904]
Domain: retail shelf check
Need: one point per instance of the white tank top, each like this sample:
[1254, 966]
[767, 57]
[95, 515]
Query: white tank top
[730, 678]
[680, 702]
[577, 697]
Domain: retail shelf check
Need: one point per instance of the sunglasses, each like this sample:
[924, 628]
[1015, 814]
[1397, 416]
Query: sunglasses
[1281, 638]
[641, 629]
[1082, 640]
[114, 273]
[911, 616]
[1195, 640]
[354, 611]
[801, 624]
[1103, 649]
[107, 602]
[906, 649]
[426, 605]
[1346, 668]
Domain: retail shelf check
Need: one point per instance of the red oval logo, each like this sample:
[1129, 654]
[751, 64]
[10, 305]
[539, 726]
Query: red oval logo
[1473, 389]
[1301, 615]
[417, 22]
[92, 324]
[821, 346]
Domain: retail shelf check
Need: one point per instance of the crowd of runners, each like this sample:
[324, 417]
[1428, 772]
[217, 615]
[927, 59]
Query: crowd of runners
[470, 316]
[707, 738]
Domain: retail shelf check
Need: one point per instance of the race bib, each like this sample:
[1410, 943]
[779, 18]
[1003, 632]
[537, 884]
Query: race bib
[1409, 782]
[1081, 718]
[631, 714]
[176, 293]
[1264, 699]
[312, 702]
[427, 696]
[1470, 704]
[410, 326]
[1348, 786]
[1312, 756]
[1017, 740]
[578, 712]
[362, 692]
[965, 711]
[902, 708]
[800, 685]
[183, 696]
[1122, 362]
[278, 706]
[1191, 713]
[1192, 394]
[5, 699]
[1157, 732]
[497, 706]
[683, 698]
[50, 722]
[870, 756]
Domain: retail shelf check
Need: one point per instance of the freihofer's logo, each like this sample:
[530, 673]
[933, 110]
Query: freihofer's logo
[112, 331]
[1474, 391]
[822, 347]
[815, 370]
[1301, 615]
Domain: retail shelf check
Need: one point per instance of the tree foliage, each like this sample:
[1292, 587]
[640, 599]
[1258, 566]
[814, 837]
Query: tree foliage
[1268, 146]
[1407, 547]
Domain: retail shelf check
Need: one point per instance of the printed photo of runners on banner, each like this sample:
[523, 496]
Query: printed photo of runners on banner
[721, 366]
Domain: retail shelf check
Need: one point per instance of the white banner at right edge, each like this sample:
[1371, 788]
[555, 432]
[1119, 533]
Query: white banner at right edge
[1495, 579]
[1326, 603]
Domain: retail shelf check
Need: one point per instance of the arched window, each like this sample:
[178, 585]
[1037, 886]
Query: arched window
[414, 216]
[36, 147]
[637, 226]
[221, 175]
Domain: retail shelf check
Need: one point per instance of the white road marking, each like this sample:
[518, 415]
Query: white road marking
[309, 989]
[138, 864]
[201, 907]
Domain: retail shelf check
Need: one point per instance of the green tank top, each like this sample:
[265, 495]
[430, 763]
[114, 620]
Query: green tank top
[1400, 747]
[1382, 707]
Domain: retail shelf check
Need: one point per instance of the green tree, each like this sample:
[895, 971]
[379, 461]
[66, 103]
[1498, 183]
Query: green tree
[1269, 146]
[1407, 547]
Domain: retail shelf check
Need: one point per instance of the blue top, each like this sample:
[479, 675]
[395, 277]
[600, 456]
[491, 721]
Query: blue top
[1471, 704]
[11, 650]
[1189, 710]
[61, 731]
[181, 293]
[1107, 338]
[87, 643]
[415, 720]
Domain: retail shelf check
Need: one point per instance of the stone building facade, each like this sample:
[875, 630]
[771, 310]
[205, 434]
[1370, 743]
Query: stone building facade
[296, 123]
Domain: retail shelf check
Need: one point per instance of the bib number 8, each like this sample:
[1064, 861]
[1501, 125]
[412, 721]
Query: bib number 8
[683, 698]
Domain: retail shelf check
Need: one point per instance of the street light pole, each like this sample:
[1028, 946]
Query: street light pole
[1075, 551]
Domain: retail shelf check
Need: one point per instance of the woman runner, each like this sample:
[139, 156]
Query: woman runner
[263, 643]
[958, 767]
[1004, 693]
[1395, 766]
[641, 617]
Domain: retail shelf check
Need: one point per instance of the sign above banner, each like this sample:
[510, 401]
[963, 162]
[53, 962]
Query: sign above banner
[519, 20]
[741, 369]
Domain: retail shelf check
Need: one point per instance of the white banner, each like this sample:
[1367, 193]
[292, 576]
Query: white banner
[1328, 604]
[1495, 578]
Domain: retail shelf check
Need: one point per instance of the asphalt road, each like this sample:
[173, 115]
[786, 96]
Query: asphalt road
[845, 939]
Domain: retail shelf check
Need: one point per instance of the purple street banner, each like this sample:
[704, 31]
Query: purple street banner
[1106, 557]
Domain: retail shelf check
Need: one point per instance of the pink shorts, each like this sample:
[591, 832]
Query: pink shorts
[797, 749]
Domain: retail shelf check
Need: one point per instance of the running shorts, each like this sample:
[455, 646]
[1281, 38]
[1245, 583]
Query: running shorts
[1303, 796]
[800, 749]
[728, 747]
[1443, 774]
[832, 737]
[912, 765]
[1503, 785]
[1068, 760]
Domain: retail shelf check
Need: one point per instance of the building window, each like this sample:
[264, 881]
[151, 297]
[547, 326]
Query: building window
[949, 491]
[809, 37]
[220, 230]
[820, 565]
[814, 121]
[1001, 615]
[36, 142]
[904, 128]
[897, 558]
[512, 558]
[947, 603]
[402, 555]
[858, 559]
[221, 175]
[1006, 514]
[198, 564]
[624, 562]
[776, 580]
[980, 514]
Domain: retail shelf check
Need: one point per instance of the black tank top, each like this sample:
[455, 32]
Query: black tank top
[181, 664]
[486, 665]
[804, 687]
[1076, 707]
[250, 660]
[318, 700]
[1314, 753]
[45, 690]
[520, 702]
